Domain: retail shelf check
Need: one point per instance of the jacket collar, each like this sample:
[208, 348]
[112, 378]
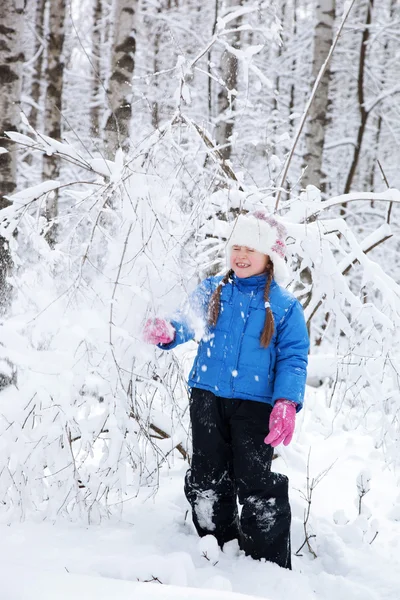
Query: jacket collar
[253, 283]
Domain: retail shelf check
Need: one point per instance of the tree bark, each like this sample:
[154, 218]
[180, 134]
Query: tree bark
[38, 68]
[292, 93]
[209, 57]
[275, 105]
[53, 104]
[155, 116]
[361, 98]
[294, 63]
[11, 62]
[315, 133]
[122, 68]
[96, 68]
[227, 93]
[388, 52]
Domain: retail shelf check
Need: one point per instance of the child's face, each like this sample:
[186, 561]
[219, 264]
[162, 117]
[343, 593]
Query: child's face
[247, 262]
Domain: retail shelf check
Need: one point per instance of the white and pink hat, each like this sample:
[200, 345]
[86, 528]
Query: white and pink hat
[264, 233]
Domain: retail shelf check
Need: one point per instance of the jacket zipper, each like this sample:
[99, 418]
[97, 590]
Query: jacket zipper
[240, 342]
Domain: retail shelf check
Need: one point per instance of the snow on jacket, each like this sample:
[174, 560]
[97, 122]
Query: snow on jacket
[230, 360]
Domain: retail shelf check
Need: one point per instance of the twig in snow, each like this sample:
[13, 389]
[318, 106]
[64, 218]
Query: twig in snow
[204, 555]
[374, 538]
[311, 485]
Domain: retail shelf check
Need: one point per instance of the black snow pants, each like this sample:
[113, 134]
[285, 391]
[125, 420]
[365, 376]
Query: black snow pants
[230, 460]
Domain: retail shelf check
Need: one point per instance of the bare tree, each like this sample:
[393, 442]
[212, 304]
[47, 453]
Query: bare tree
[315, 132]
[11, 61]
[275, 106]
[226, 95]
[53, 102]
[157, 51]
[96, 67]
[209, 59]
[39, 48]
[122, 67]
[294, 61]
[387, 52]
[364, 113]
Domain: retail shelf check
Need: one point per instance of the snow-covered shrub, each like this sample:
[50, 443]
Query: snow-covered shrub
[83, 426]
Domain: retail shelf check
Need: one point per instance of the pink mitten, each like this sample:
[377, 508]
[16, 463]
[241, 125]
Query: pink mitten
[281, 423]
[158, 331]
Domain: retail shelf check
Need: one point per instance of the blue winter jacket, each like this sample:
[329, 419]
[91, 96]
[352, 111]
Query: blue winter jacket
[230, 361]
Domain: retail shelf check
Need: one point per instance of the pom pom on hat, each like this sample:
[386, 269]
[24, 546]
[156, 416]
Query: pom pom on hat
[263, 233]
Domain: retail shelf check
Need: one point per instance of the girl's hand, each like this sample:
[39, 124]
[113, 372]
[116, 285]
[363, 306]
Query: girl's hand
[281, 423]
[158, 331]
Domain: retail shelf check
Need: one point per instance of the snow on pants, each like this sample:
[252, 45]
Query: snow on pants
[230, 460]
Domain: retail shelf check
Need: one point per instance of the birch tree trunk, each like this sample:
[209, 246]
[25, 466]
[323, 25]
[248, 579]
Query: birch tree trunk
[156, 67]
[292, 90]
[209, 60]
[38, 68]
[275, 105]
[11, 61]
[53, 103]
[227, 94]
[361, 98]
[294, 64]
[315, 132]
[122, 67]
[96, 68]
[388, 52]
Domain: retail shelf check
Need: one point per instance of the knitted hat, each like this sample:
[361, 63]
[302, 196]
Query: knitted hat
[264, 233]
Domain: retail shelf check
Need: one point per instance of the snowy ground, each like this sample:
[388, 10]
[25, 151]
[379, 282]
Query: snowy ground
[154, 552]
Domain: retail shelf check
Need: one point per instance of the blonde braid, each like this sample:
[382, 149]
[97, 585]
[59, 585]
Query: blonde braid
[269, 325]
[215, 301]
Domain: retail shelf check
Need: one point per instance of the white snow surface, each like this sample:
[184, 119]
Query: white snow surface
[152, 550]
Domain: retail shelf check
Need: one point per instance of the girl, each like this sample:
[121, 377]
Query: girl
[249, 372]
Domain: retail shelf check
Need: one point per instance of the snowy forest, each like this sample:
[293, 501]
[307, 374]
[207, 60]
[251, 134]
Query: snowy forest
[132, 132]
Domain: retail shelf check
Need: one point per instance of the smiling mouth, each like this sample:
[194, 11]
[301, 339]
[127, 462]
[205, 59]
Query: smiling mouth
[242, 265]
